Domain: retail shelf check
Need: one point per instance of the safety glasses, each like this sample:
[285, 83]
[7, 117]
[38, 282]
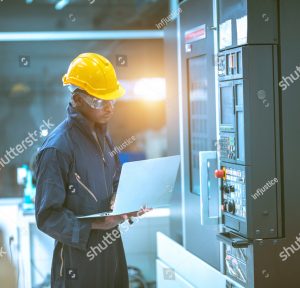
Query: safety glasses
[94, 102]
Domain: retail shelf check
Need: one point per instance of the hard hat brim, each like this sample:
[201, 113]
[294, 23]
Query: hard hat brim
[111, 96]
[119, 92]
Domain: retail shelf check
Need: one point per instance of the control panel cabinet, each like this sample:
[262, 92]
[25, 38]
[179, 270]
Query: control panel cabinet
[248, 142]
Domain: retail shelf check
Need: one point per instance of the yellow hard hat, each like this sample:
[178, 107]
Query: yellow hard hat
[94, 74]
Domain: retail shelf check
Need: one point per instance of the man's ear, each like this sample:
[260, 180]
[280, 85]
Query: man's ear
[76, 100]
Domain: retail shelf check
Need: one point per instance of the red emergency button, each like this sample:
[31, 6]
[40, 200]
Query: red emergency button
[220, 173]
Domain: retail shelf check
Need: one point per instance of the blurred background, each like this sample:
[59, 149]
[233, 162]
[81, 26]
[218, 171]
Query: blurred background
[38, 40]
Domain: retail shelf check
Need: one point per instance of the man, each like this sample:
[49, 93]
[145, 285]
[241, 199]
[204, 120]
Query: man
[77, 176]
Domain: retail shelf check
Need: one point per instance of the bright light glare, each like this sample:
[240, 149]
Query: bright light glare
[61, 4]
[80, 35]
[150, 89]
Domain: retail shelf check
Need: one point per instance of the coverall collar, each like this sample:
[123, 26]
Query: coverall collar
[83, 123]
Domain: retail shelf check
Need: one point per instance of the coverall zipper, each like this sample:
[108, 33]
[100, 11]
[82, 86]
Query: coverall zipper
[86, 188]
[103, 158]
[98, 144]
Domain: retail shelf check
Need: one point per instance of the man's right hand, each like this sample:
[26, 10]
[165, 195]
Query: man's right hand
[108, 222]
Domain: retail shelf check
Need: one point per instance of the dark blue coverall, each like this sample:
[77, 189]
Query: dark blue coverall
[73, 179]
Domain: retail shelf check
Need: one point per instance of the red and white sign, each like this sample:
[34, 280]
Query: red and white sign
[195, 34]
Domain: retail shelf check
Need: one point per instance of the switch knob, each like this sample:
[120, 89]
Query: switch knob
[231, 207]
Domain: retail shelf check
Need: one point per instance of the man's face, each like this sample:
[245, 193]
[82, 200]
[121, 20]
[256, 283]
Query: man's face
[101, 115]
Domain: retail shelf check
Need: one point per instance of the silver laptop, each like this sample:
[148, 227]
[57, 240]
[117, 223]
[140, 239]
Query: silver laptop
[146, 183]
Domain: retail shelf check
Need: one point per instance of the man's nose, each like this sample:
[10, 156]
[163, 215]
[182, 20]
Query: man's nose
[109, 106]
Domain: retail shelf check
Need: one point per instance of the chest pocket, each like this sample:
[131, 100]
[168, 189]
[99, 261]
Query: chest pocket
[90, 189]
[85, 188]
[80, 199]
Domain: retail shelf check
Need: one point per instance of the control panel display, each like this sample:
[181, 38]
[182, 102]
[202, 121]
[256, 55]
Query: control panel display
[227, 146]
